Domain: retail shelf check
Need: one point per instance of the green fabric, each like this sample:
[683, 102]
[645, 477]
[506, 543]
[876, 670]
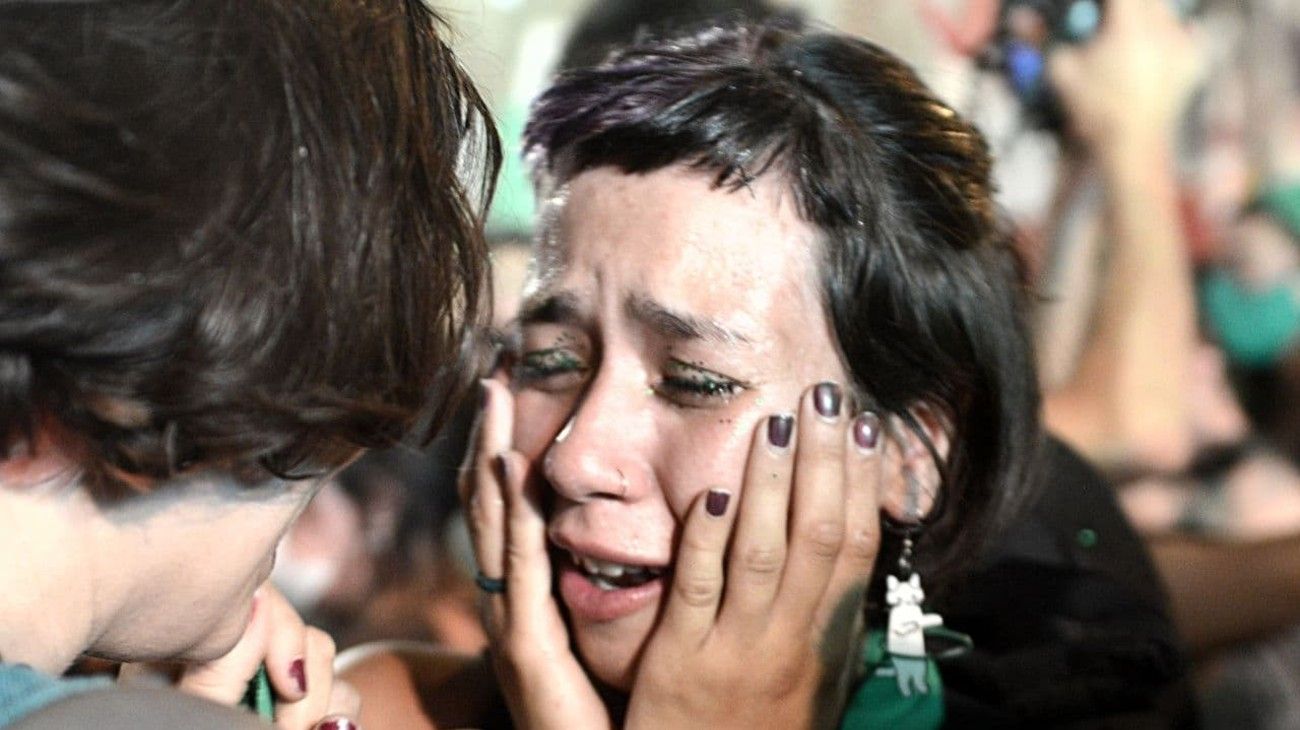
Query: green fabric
[877, 702]
[1254, 327]
[24, 690]
[511, 214]
[1282, 201]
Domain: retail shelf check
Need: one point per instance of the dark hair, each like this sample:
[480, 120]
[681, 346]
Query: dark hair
[609, 25]
[234, 234]
[920, 280]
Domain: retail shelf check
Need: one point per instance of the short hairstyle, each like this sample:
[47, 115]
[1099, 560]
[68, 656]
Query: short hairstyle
[609, 25]
[920, 281]
[235, 234]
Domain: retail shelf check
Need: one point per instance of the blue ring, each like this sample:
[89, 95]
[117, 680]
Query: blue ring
[495, 586]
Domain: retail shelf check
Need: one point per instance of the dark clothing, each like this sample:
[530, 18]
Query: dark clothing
[1070, 622]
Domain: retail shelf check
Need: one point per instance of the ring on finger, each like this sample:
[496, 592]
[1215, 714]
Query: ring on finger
[494, 586]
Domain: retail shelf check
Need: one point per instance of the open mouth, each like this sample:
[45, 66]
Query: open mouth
[610, 576]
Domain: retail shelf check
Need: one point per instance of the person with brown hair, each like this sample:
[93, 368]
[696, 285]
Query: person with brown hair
[239, 243]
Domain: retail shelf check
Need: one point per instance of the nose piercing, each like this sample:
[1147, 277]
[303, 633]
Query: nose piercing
[622, 483]
[564, 432]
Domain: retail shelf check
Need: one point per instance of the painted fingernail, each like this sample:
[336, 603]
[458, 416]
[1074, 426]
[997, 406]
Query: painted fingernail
[779, 429]
[866, 431]
[337, 723]
[715, 502]
[826, 399]
[298, 670]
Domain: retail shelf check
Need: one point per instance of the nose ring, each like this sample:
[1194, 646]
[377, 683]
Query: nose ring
[564, 432]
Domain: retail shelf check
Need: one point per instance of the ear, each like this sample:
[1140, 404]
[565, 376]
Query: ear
[911, 483]
[39, 461]
[915, 580]
[891, 582]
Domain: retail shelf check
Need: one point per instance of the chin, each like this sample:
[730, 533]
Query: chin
[611, 651]
[214, 646]
[221, 635]
[171, 647]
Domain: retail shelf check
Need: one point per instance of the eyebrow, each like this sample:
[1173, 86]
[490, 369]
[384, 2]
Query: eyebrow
[680, 325]
[558, 308]
[563, 308]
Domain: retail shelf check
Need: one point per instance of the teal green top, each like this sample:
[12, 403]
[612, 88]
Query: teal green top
[24, 690]
[878, 702]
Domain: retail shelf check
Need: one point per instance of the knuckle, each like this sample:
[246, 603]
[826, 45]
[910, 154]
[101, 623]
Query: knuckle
[763, 560]
[861, 545]
[785, 678]
[696, 591]
[516, 554]
[823, 537]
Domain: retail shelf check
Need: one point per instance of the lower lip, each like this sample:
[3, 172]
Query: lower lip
[588, 603]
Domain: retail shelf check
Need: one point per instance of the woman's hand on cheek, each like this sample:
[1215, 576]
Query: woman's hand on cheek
[761, 623]
[543, 681]
[299, 660]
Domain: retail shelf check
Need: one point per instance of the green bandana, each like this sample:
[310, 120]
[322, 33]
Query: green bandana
[1255, 328]
[878, 703]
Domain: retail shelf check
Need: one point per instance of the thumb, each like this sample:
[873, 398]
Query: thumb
[225, 679]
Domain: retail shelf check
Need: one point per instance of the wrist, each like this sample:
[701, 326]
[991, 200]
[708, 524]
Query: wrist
[1142, 164]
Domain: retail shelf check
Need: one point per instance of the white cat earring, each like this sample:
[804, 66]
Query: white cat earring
[905, 637]
[907, 658]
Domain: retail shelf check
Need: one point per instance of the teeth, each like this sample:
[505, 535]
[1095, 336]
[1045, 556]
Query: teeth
[609, 569]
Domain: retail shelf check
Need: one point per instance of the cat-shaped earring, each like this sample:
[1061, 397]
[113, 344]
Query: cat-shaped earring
[905, 637]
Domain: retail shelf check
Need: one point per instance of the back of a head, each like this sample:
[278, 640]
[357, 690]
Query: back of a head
[234, 234]
[920, 281]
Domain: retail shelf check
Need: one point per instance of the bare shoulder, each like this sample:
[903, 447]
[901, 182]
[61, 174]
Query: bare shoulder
[419, 686]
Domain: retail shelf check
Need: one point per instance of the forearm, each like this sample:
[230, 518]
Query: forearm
[1124, 93]
[1127, 400]
[1223, 593]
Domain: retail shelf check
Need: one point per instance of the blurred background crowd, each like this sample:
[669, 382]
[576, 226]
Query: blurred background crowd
[1149, 161]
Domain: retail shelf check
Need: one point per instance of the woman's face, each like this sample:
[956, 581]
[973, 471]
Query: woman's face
[664, 319]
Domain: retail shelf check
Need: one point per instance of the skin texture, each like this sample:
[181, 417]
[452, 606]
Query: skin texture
[174, 573]
[208, 610]
[128, 554]
[743, 259]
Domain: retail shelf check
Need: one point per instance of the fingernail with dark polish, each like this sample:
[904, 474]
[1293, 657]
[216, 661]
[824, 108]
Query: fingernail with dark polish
[337, 723]
[866, 430]
[826, 399]
[298, 671]
[715, 503]
[779, 429]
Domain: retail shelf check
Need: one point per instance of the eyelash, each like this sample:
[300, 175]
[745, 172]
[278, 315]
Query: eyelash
[691, 387]
[704, 386]
[539, 365]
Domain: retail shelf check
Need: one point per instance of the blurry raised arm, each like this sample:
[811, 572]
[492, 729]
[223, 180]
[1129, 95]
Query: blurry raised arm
[1126, 403]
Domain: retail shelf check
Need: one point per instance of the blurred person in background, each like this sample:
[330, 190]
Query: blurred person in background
[382, 553]
[1169, 269]
[239, 244]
